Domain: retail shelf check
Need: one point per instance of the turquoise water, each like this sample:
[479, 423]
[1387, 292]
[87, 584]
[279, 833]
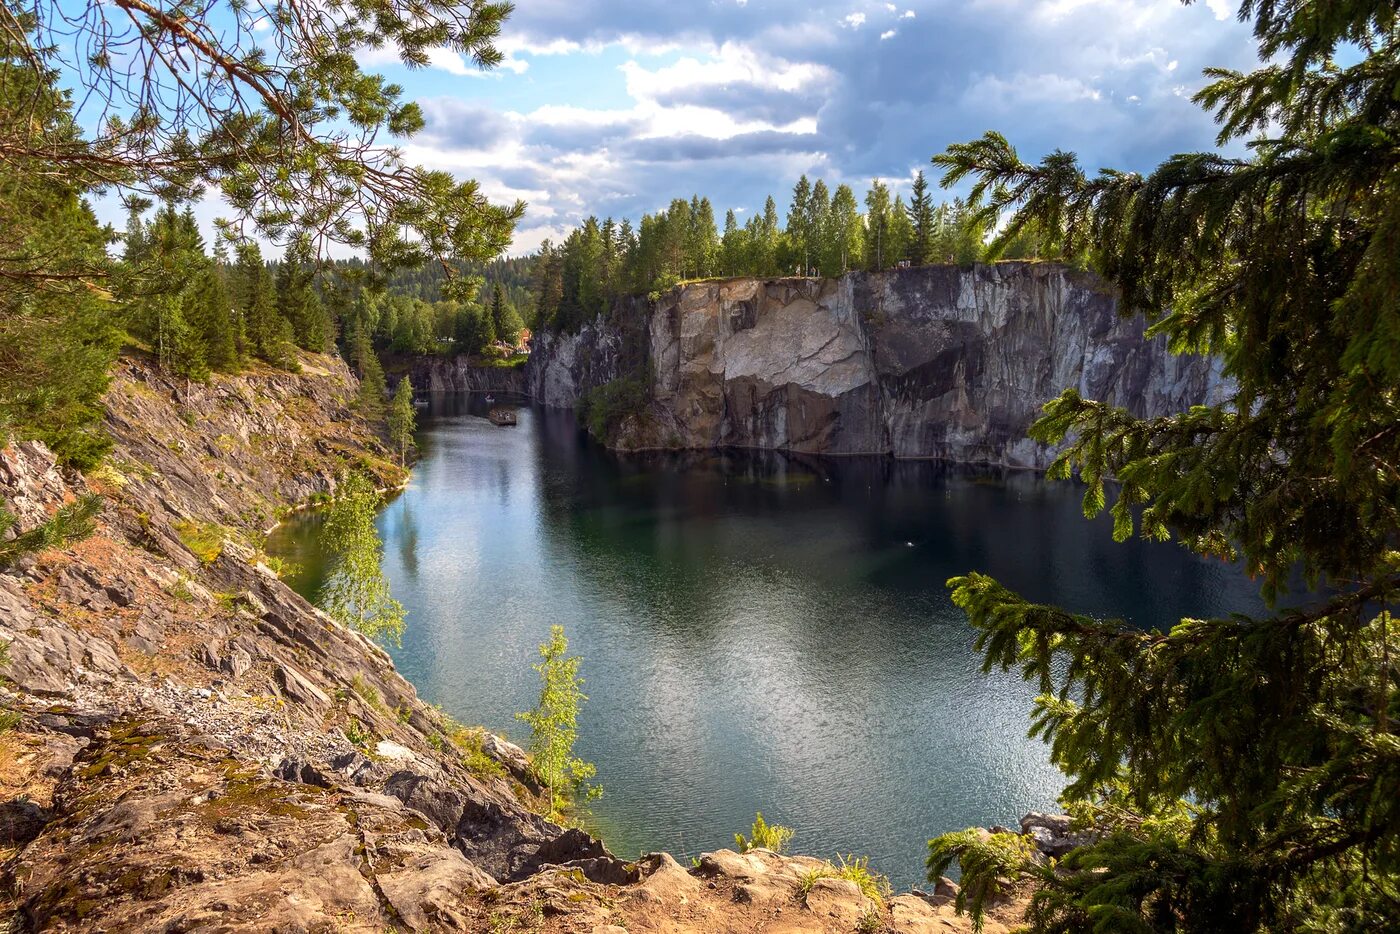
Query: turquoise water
[759, 632]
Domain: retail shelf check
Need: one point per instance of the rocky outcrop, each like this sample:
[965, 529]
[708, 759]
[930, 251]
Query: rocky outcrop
[936, 362]
[196, 747]
[459, 374]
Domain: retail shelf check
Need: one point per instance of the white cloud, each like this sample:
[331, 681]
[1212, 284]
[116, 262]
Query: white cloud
[907, 14]
[887, 34]
[854, 20]
[1223, 9]
[731, 63]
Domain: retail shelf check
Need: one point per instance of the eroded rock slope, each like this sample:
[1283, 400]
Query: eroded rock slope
[198, 749]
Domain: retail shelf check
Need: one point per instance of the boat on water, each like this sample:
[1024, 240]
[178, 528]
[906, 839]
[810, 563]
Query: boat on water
[502, 417]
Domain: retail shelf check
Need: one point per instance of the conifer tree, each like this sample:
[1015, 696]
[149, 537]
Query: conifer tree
[506, 324]
[923, 226]
[402, 418]
[297, 300]
[706, 253]
[216, 318]
[369, 400]
[901, 232]
[818, 227]
[1239, 774]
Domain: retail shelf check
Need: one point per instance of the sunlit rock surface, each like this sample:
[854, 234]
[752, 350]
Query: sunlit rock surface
[935, 361]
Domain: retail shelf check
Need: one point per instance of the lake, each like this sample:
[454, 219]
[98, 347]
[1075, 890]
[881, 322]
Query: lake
[759, 631]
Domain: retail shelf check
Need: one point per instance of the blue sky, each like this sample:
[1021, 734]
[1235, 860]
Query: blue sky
[616, 106]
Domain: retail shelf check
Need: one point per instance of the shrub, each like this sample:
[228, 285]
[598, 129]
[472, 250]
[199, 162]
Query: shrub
[873, 885]
[763, 835]
[205, 540]
[603, 408]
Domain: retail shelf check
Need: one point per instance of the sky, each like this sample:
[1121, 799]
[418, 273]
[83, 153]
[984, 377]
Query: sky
[614, 107]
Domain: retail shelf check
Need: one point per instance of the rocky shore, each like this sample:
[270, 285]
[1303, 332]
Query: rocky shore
[199, 749]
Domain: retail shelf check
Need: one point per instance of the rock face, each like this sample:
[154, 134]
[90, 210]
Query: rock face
[455, 374]
[936, 361]
[196, 747]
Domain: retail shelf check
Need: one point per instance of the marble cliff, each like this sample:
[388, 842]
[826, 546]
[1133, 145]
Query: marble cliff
[935, 361]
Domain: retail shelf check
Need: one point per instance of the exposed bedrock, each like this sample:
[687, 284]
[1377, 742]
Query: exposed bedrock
[935, 361]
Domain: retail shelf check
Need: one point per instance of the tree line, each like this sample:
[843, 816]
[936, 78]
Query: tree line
[270, 138]
[823, 233]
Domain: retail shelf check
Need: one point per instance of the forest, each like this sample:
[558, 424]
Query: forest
[823, 233]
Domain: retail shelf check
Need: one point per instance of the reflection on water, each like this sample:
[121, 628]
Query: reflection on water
[759, 631]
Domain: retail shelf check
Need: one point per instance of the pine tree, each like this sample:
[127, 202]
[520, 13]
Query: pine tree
[216, 318]
[402, 418]
[1240, 774]
[706, 248]
[920, 248]
[768, 241]
[297, 300]
[269, 334]
[901, 232]
[369, 400]
[506, 324]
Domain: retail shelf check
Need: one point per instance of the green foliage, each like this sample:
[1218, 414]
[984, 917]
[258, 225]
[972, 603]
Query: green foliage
[852, 868]
[356, 733]
[71, 523]
[58, 324]
[369, 398]
[205, 540]
[367, 693]
[872, 885]
[1234, 768]
[763, 835]
[554, 725]
[826, 234]
[356, 594]
[297, 139]
[470, 743]
[990, 862]
[402, 418]
[604, 408]
[8, 718]
[870, 923]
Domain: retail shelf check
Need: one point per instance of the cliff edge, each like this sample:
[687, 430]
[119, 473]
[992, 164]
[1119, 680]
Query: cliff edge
[930, 362]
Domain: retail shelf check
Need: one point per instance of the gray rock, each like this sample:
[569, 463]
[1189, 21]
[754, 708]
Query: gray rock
[936, 361]
[1051, 833]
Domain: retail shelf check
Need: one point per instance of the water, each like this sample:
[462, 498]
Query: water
[759, 632]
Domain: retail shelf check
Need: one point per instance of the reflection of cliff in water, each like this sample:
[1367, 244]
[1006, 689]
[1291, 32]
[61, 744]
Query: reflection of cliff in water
[916, 522]
[759, 631]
